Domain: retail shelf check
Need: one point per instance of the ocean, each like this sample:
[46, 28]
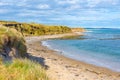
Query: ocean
[98, 46]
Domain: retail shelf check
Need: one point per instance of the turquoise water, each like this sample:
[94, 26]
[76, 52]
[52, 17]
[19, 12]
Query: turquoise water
[100, 47]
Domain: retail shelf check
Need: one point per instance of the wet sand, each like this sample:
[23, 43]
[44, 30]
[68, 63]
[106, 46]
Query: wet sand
[59, 67]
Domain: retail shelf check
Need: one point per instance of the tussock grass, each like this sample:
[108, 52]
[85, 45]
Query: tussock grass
[12, 38]
[22, 69]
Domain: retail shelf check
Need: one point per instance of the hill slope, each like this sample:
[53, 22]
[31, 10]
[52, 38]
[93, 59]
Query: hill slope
[36, 29]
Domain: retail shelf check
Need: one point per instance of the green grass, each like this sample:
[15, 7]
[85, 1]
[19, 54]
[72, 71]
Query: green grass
[22, 69]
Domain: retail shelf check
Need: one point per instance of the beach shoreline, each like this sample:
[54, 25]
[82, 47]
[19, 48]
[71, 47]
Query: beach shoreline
[63, 68]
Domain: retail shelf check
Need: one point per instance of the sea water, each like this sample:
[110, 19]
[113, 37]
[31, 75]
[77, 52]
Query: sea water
[100, 47]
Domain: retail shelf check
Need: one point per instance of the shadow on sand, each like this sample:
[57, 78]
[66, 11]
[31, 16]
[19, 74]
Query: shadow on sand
[39, 60]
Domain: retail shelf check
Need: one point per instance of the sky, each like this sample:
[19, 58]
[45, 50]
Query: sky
[73, 13]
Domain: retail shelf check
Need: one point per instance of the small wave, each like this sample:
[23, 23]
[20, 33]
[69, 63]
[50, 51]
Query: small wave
[44, 43]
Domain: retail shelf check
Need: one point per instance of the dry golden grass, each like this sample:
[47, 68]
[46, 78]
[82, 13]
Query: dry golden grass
[13, 38]
[22, 69]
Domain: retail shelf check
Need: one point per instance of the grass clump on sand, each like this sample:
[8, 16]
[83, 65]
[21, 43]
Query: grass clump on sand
[12, 41]
[22, 69]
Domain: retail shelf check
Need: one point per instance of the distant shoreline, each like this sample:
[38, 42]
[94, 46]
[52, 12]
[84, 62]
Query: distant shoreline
[60, 67]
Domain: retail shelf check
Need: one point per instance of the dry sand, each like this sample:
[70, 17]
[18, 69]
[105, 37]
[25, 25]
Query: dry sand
[59, 67]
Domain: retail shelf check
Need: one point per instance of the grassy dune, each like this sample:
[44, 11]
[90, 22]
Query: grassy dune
[34, 29]
[12, 44]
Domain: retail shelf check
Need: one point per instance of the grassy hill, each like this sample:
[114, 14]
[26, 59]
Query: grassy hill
[36, 29]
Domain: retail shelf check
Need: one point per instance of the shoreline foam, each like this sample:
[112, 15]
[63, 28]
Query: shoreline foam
[89, 59]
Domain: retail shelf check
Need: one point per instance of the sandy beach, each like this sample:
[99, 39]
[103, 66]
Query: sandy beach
[59, 67]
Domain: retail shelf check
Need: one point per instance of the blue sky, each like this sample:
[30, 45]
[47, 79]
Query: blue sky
[73, 13]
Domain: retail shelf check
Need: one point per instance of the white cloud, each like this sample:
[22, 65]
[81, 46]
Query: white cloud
[29, 13]
[3, 4]
[3, 11]
[13, 3]
[36, 13]
[23, 3]
[65, 11]
[77, 18]
[43, 6]
[67, 1]
[73, 7]
[92, 16]
[94, 3]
